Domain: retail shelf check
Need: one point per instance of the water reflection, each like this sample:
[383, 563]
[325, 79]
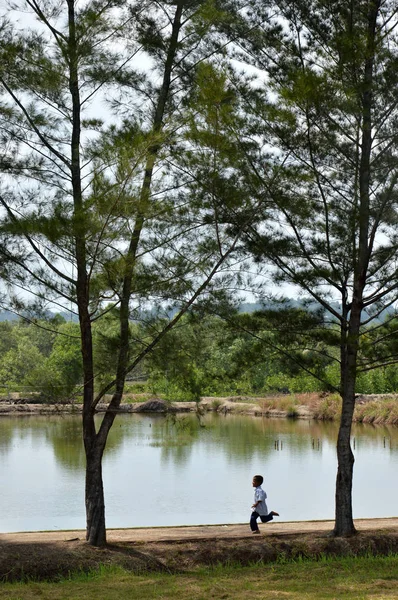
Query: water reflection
[160, 470]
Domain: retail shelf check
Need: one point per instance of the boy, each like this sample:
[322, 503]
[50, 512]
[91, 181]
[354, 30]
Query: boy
[259, 507]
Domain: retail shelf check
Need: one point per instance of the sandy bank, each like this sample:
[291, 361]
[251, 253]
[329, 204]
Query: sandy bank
[200, 532]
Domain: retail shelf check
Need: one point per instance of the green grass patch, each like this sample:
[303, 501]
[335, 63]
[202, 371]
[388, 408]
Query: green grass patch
[328, 578]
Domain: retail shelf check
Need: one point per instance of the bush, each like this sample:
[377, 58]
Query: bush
[329, 408]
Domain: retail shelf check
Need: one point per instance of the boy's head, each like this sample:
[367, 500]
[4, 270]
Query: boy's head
[257, 480]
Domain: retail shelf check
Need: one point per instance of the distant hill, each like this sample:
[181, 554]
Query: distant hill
[6, 315]
[301, 303]
[249, 307]
[245, 307]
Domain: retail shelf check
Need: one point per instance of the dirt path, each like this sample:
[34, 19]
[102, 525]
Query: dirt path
[199, 532]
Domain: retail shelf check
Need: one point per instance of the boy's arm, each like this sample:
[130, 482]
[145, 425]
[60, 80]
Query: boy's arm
[257, 500]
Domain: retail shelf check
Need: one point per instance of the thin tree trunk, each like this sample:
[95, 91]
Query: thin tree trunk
[344, 523]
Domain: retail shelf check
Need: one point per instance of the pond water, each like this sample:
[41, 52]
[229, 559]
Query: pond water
[161, 472]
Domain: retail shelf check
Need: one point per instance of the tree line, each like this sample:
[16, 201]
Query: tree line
[171, 154]
[206, 356]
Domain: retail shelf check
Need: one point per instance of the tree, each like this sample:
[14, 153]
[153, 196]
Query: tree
[332, 129]
[102, 222]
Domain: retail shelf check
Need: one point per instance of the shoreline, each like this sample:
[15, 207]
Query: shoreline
[376, 409]
[155, 405]
[178, 533]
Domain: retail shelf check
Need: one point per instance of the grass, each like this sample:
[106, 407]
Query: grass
[328, 578]
[216, 403]
[327, 407]
[377, 411]
[288, 404]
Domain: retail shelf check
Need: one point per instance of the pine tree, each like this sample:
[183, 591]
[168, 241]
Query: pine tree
[331, 126]
[102, 205]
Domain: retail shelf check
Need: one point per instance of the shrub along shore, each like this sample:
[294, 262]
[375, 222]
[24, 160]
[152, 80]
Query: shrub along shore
[370, 408]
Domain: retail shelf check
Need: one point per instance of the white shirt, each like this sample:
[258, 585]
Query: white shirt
[260, 496]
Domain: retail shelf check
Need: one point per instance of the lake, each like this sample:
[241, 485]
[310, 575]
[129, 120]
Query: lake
[161, 472]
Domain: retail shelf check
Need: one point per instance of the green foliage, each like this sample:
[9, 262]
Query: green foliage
[61, 372]
[251, 354]
[202, 357]
[42, 357]
[18, 363]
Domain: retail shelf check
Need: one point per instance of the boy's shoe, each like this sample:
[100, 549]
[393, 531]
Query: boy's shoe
[257, 531]
[274, 514]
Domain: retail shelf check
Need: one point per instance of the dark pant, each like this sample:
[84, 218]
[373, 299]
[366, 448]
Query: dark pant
[254, 517]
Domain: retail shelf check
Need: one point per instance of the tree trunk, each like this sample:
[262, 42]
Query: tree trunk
[95, 503]
[344, 524]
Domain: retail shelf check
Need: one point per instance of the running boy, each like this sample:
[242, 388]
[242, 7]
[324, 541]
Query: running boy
[259, 507]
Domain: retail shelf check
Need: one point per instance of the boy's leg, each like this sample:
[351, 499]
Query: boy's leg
[266, 518]
[269, 517]
[253, 521]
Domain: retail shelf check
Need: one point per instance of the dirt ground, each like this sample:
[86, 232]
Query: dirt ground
[55, 554]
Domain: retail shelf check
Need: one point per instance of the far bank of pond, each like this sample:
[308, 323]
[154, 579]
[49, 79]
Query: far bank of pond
[371, 408]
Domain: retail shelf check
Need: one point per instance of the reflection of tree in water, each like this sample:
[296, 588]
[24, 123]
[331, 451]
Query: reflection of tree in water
[176, 435]
[6, 434]
[65, 435]
[373, 436]
[245, 436]
[238, 436]
[22, 428]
